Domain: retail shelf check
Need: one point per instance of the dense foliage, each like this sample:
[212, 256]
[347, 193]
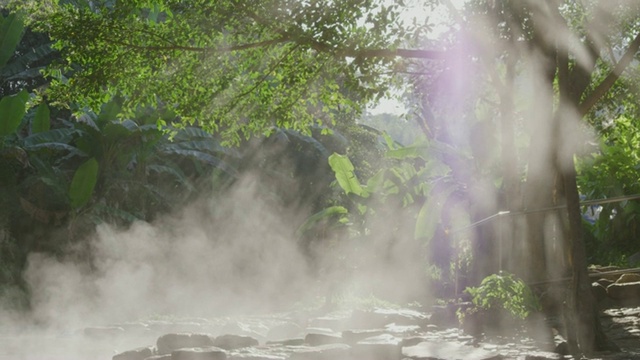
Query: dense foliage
[235, 67]
[121, 111]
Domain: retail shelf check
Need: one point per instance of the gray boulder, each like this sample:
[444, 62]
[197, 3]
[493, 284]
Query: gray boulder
[448, 351]
[322, 352]
[199, 353]
[287, 330]
[381, 347]
[229, 342]
[315, 339]
[169, 342]
[135, 354]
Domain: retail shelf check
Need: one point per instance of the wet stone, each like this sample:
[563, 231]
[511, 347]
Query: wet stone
[255, 357]
[322, 339]
[448, 351]
[335, 322]
[285, 330]
[322, 352]
[413, 340]
[159, 357]
[381, 347]
[169, 342]
[288, 342]
[382, 317]
[257, 353]
[353, 336]
[402, 329]
[135, 354]
[542, 355]
[229, 342]
[199, 353]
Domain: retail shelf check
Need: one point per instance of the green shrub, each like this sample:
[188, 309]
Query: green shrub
[502, 292]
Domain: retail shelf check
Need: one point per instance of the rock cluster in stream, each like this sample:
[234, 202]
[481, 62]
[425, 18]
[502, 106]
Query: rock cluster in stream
[381, 334]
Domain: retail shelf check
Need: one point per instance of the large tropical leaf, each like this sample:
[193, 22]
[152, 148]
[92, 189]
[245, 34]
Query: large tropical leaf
[174, 171]
[201, 157]
[63, 136]
[210, 146]
[409, 152]
[83, 183]
[323, 214]
[56, 147]
[190, 133]
[41, 122]
[430, 213]
[10, 35]
[12, 110]
[307, 142]
[20, 67]
[343, 168]
[113, 212]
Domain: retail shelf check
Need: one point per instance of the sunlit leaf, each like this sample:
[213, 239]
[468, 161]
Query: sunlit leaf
[10, 35]
[12, 110]
[343, 169]
[429, 215]
[83, 183]
[41, 122]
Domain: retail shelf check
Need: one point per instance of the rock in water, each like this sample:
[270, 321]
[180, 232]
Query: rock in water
[229, 342]
[135, 354]
[169, 342]
[381, 347]
[203, 353]
[448, 351]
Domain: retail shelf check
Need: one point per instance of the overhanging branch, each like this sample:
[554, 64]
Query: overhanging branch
[608, 82]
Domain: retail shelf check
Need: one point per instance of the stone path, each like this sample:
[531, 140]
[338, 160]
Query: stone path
[381, 334]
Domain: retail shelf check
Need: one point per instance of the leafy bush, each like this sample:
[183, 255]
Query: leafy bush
[610, 172]
[502, 291]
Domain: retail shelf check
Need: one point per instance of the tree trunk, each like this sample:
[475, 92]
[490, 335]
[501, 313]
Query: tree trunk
[589, 332]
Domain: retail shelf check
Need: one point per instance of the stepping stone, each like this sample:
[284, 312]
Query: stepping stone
[322, 352]
[448, 351]
[353, 336]
[287, 342]
[135, 354]
[229, 342]
[381, 347]
[286, 330]
[199, 353]
[322, 339]
[169, 342]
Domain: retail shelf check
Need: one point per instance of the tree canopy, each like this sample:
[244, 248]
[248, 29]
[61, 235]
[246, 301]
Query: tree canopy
[501, 99]
[234, 67]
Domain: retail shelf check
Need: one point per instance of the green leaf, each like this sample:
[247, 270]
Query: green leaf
[408, 152]
[320, 215]
[429, 215]
[10, 35]
[343, 168]
[83, 183]
[12, 110]
[376, 181]
[41, 121]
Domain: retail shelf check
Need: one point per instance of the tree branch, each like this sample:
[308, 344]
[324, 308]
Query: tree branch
[608, 82]
[201, 49]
